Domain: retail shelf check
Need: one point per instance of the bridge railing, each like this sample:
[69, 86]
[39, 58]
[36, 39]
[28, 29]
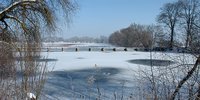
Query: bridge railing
[89, 49]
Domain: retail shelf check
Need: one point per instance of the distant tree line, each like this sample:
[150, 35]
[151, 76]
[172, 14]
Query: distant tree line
[137, 35]
[133, 36]
[85, 39]
[179, 26]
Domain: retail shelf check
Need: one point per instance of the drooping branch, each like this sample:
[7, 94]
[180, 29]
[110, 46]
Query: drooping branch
[14, 18]
[14, 5]
[4, 13]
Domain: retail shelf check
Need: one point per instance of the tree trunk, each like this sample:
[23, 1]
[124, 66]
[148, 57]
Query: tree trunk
[198, 94]
[172, 38]
[187, 42]
[189, 74]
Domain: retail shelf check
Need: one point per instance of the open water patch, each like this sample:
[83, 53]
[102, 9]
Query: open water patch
[38, 59]
[152, 62]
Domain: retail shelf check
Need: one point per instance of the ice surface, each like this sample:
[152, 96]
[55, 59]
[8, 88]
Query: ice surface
[90, 75]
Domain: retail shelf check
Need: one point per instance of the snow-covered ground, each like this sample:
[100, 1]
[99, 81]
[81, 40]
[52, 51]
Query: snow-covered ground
[91, 75]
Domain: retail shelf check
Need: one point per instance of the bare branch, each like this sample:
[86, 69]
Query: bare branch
[189, 74]
[14, 5]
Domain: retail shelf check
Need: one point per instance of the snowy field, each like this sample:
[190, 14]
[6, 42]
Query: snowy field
[104, 75]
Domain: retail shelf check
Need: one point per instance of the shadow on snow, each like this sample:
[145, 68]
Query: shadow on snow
[85, 84]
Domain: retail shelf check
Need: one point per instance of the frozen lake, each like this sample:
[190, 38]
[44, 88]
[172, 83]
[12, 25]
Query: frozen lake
[106, 75]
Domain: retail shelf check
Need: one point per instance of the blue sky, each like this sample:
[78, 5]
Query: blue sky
[103, 17]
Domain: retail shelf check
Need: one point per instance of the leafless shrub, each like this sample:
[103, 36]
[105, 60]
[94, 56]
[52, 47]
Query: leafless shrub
[176, 81]
[6, 61]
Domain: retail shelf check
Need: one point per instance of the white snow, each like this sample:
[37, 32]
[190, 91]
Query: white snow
[82, 60]
[31, 96]
[72, 70]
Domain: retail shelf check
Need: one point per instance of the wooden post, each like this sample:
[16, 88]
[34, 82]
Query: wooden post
[125, 49]
[114, 49]
[90, 49]
[62, 49]
[102, 49]
[76, 49]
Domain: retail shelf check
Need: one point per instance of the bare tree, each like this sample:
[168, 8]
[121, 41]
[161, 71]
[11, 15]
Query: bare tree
[169, 16]
[116, 38]
[159, 37]
[21, 24]
[133, 36]
[189, 16]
